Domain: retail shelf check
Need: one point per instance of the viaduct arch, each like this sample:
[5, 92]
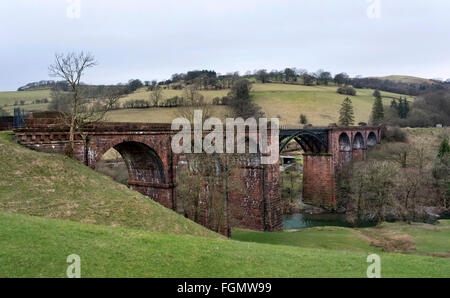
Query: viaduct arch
[151, 164]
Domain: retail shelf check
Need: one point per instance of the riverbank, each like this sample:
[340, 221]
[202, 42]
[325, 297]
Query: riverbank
[399, 237]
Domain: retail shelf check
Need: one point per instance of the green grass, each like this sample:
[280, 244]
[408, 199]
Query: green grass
[8, 98]
[320, 104]
[407, 79]
[418, 238]
[334, 238]
[143, 93]
[52, 185]
[38, 247]
[158, 115]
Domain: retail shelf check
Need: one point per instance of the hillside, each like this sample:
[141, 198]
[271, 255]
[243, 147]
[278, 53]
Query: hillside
[9, 98]
[52, 185]
[119, 252]
[319, 103]
[406, 79]
[399, 237]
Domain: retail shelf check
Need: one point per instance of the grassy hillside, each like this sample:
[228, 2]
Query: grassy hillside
[38, 247]
[52, 185]
[418, 238]
[320, 104]
[406, 79]
[8, 98]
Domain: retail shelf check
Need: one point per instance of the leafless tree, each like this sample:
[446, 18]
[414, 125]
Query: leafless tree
[71, 67]
[156, 95]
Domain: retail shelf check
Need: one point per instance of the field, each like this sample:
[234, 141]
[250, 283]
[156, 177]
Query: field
[319, 103]
[8, 98]
[418, 238]
[407, 79]
[38, 247]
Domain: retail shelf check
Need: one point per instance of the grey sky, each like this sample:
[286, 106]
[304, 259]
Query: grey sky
[154, 39]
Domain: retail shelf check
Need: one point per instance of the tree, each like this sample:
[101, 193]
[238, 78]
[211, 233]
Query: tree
[325, 77]
[341, 78]
[377, 111]
[308, 79]
[372, 189]
[262, 75]
[303, 119]
[441, 171]
[377, 94]
[403, 108]
[156, 94]
[71, 67]
[444, 149]
[347, 90]
[193, 100]
[240, 100]
[346, 116]
[290, 74]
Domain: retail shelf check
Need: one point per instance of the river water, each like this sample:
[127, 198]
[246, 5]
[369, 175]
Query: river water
[298, 221]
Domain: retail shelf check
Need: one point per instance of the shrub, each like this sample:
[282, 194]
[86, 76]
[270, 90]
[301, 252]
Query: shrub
[395, 134]
[346, 90]
[303, 119]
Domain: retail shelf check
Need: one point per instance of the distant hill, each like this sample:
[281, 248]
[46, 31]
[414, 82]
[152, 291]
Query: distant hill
[406, 79]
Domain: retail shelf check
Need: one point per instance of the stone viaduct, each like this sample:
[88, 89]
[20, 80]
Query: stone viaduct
[152, 166]
[327, 150]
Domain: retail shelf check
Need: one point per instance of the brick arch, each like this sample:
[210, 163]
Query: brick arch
[358, 141]
[344, 142]
[143, 163]
[372, 139]
[99, 145]
[149, 161]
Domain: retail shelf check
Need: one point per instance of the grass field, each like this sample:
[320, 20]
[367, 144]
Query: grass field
[407, 79]
[142, 93]
[10, 97]
[52, 185]
[38, 247]
[418, 238]
[320, 104]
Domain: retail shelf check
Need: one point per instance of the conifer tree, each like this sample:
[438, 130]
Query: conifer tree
[444, 148]
[346, 115]
[377, 112]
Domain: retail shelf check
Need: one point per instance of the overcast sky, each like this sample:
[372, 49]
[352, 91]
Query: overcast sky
[154, 39]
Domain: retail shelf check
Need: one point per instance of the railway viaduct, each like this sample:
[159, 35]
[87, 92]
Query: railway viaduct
[152, 166]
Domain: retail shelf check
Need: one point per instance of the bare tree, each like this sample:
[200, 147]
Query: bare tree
[156, 94]
[71, 67]
[193, 100]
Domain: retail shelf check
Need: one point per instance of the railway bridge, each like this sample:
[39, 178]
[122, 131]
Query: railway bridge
[152, 165]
